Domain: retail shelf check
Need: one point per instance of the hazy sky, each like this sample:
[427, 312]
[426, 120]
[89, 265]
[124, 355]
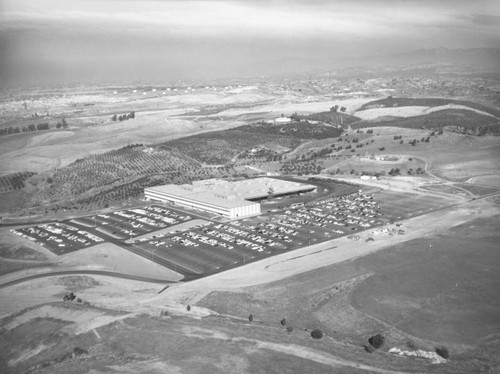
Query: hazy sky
[62, 41]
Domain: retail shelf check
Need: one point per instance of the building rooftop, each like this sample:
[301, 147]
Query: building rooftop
[231, 194]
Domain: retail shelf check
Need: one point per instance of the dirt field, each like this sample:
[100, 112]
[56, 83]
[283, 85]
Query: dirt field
[158, 119]
[411, 111]
[437, 290]
[315, 299]
[440, 288]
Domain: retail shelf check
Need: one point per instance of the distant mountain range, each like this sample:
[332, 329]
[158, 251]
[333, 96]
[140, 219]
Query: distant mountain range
[438, 60]
[480, 58]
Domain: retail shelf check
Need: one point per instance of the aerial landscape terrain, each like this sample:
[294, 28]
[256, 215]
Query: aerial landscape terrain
[234, 197]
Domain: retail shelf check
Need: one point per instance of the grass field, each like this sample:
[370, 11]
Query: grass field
[397, 205]
[392, 102]
[442, 289]
[166, 345]
[427, 292]
[461, 121]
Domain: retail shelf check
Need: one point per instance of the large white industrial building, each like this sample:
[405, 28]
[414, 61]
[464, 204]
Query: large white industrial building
[229, 199]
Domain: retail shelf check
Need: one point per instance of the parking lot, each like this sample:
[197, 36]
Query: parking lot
[68, 236]
[196, 247]
[58, 237]
[212, 246]
[130, 223]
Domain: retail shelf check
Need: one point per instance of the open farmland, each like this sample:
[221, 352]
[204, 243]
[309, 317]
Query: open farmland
[461, 121]
[398, 205]
[451, 275]
[116, 166]
[395, 102]
[427, 292]
[220, 148]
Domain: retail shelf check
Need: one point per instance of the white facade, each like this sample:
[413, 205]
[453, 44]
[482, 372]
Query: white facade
[232, 208]
[222, 197]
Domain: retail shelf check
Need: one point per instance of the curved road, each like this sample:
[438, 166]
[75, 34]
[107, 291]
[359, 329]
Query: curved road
[79, 272]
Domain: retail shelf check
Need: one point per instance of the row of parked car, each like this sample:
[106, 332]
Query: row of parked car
[61, 234]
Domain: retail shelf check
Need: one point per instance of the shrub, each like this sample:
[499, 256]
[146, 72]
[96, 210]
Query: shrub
[188, 308]
[411, 345]
[368, 348]
[250, 317]
[283, 322]
[77, 351]
[443, 352]
[376, 341]
[317, 334]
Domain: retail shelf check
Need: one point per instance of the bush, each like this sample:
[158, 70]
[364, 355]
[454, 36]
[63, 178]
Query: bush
[250, 317]
[443, 352]
[77, 351]
[376, 341]
[368, 348]
[317, 334]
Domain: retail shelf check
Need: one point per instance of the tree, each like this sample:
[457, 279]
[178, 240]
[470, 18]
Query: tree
[334, 108]
[343, 109]
[317, 334]
[283, 322]
[376, 341]
[250, 317]
[270, 193]
[443, 352]
[114, 118]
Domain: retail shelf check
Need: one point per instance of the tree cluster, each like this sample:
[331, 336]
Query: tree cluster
[393, 172]
[123, 117]
[62, 123]
[419, 171]
[335, 108]
[30, 127]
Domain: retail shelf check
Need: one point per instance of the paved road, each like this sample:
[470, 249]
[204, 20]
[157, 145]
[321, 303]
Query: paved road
[80, 272]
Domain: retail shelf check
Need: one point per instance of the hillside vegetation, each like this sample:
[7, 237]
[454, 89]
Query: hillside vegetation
[391, 102]
[461, 121]
[221, 147]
